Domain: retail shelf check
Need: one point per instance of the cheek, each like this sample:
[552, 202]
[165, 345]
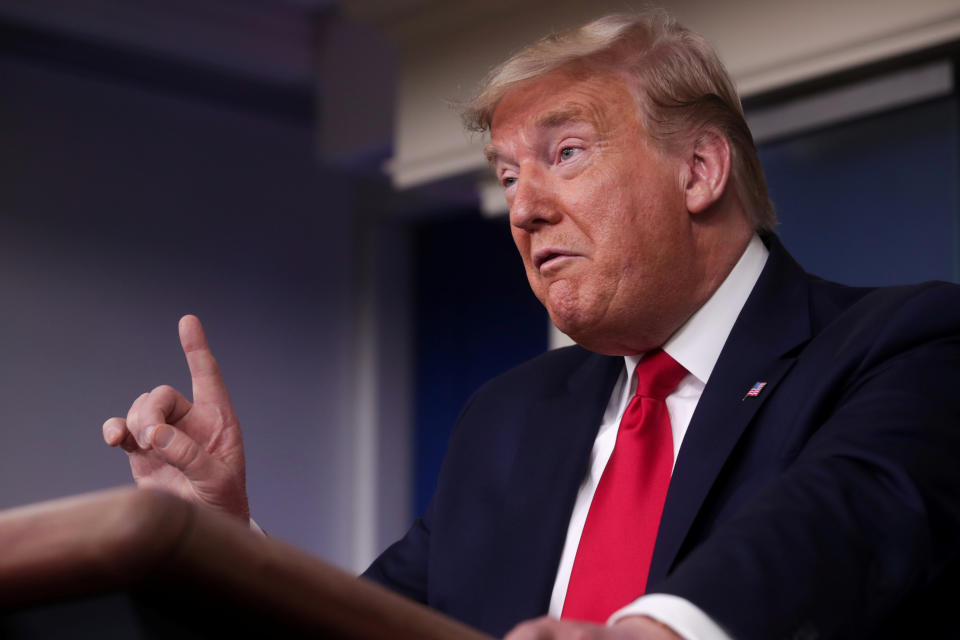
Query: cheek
[606, 203]
[614, 223]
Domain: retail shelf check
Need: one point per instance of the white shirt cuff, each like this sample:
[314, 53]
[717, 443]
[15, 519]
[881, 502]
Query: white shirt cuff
[685, 618]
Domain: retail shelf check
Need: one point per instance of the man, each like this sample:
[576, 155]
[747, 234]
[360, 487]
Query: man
[797, 439]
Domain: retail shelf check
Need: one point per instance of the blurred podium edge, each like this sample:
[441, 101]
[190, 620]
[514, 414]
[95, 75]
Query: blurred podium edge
[195, 572]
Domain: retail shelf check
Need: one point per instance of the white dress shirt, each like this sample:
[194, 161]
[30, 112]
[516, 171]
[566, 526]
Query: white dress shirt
[696, 346]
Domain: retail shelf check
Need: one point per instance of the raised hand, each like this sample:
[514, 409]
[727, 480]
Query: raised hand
[194, 450]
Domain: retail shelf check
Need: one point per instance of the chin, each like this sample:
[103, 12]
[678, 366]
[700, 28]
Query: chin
[601, 337]
[583, 319]
[585, 333]
[566, 322]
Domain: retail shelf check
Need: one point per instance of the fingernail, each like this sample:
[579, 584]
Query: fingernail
[147, 437]
[163, 435]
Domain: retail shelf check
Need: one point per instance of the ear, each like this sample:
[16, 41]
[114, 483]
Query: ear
[707, 170]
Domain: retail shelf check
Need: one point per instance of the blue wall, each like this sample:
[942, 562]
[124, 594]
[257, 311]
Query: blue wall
[873, 201]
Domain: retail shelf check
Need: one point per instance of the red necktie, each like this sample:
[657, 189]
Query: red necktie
[613, 558]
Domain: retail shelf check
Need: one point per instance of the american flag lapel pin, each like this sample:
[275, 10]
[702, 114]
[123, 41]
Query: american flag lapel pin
[754, 390]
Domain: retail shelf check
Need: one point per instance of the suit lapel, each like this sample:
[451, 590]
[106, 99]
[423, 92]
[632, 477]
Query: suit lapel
[553, 456]
[774, 321]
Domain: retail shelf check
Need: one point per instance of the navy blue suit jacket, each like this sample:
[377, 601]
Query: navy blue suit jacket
[828, 506]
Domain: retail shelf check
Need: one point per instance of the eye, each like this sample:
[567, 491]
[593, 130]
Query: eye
[568, 152]
[508, 181]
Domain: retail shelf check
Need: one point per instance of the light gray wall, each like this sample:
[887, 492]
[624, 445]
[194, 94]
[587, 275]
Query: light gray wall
[122, 209]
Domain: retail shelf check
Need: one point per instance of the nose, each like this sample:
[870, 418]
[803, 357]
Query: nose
[533, 204]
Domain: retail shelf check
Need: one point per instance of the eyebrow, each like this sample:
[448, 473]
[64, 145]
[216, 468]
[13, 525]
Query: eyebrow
[560, 117]
[549, 120]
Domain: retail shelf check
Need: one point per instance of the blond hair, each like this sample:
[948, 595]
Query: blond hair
[681, 86]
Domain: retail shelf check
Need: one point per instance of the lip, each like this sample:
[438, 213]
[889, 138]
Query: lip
[548, 254]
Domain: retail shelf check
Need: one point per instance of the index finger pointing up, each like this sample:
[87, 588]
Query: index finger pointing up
[208, 386]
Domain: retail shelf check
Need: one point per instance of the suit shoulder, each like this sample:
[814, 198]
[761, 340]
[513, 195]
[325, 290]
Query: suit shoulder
[933, 303]
[875, 327]
[832, 302]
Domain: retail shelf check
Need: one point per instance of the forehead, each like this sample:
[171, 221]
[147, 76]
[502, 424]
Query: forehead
[601, 99]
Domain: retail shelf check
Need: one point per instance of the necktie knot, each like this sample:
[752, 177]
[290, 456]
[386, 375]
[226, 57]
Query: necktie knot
[658, 375]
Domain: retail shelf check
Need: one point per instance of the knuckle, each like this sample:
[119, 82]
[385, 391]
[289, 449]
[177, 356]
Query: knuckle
[135, 406]
[162, 390]
[158, 406]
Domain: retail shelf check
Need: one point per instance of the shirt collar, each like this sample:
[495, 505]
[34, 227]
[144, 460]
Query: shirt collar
[697, 344]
